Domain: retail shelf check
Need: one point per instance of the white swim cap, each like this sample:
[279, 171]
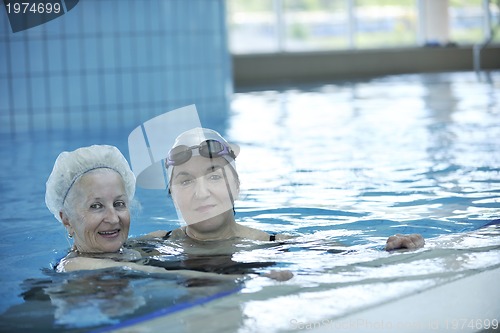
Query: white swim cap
[70, 166]
[193, 138]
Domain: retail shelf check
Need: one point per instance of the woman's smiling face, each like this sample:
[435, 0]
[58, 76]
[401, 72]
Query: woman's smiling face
[204, 189]
[98, 215]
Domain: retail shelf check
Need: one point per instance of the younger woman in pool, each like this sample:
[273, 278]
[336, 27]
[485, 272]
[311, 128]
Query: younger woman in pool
[89, 191]
[204, 184]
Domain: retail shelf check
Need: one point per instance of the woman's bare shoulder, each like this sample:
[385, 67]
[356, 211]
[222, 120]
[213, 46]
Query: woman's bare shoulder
[280, 237]
[178, 233]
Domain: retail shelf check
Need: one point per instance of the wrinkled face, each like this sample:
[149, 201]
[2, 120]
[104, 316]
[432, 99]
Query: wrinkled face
[98, 216]
[203, 189]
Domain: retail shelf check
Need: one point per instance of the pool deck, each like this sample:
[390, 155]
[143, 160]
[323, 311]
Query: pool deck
[464, 305]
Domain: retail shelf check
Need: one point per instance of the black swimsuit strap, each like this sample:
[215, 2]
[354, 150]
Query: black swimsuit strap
[272, 238]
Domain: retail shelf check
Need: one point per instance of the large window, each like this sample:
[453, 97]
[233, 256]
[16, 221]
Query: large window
[467, 20]
[312, 25]
[385, 23]
[253, 26]
[307, 25]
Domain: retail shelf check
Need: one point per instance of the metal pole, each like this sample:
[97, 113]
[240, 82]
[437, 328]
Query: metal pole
[351, 19]
[421, 19]
[487, 20]
[487, 34]
[280, 25]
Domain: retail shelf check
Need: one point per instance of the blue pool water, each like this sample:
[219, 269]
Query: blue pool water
[341, 165]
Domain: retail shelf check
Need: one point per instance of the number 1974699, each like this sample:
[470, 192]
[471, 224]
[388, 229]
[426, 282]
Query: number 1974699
[33, 7]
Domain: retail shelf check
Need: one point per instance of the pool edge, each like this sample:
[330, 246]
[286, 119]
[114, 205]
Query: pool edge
[464, 304]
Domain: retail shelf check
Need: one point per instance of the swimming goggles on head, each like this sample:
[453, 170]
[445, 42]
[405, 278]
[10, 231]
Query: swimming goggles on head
[208, 148]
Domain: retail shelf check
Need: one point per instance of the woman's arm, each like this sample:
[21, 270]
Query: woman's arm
[84, 263]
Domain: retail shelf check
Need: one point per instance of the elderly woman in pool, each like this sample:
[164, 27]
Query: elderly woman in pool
[89, 191]
[204, 183]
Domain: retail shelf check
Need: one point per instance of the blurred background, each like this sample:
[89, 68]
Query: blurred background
[288, 80]
[311, 40]
[312, 25]
[103, 64]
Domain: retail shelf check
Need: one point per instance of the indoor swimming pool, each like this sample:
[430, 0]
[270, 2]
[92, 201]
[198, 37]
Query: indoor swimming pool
[340, 166]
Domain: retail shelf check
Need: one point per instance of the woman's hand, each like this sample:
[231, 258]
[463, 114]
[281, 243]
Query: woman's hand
[282, 275]
[398, 241]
